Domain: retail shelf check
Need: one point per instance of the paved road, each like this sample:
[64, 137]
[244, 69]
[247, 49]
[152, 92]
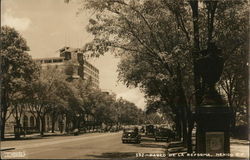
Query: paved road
[88, 146]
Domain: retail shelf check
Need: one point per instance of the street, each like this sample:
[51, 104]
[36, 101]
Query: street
[87, 146]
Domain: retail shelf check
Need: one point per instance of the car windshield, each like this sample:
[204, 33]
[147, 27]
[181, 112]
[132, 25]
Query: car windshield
[163, 130]
[129, 130]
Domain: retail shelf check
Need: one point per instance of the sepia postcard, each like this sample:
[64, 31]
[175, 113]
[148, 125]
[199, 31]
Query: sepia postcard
[124, 79]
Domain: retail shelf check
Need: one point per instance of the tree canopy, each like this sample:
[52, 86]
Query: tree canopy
[160, 41]
[17, 70]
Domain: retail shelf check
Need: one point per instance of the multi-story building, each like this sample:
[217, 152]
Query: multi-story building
[91, 73]
[70, 62]
[73, 64]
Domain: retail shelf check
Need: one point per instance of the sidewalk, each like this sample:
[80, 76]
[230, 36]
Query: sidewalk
[9, 137]
[239, 149]
[33, 135]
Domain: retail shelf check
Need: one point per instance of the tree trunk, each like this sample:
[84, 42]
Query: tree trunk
[195, 54]
[53, 121]
[233, 120]
[18, 126]
[196, 46]
[67, 124]
[184, 126]
[4, 109]
[178, 125]
[75, 121]
[53, 125]
[211, 8]
[111, 125]
[189, 134]
[38, 123]
[182, 103]
[2, 128]
[42, 125]
[79, 122]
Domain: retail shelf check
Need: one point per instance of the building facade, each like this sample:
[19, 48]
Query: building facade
[71, 62]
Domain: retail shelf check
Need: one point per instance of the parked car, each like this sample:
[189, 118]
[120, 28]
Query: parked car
[150, 130]
[164, 134]
[142, 129]
[131, 135]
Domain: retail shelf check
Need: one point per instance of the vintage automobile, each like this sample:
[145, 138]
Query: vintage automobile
[164, 134]
[131, 135]
[142, 129]
[150, 129]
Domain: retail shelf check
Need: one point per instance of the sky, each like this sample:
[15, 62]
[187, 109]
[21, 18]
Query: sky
[48, 25]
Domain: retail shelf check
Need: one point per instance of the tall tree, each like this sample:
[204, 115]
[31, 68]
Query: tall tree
[50, 91]
[17, 68]
[148, 34]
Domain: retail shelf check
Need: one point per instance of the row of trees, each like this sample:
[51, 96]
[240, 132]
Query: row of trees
[17, 68]
[52, 95]
[159, 43]
[26, 87]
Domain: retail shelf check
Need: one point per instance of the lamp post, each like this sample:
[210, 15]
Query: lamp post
[212, 116]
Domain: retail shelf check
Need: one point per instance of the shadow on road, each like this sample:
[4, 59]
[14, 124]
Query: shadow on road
[147, 139]
[239, 142]
[115, 155]
[150, 145]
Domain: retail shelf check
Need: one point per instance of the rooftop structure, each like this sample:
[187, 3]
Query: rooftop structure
[73, 64]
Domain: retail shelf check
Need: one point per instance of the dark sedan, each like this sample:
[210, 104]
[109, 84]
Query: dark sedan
[164, 134]
[131, 135]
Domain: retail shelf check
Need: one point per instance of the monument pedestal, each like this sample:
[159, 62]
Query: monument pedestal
[213, 130]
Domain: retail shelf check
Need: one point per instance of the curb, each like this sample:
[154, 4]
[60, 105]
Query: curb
[6, 149]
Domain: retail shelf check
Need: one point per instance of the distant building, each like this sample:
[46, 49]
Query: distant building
[70, 62]
[73, 64]
[91, 72]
